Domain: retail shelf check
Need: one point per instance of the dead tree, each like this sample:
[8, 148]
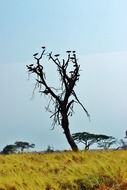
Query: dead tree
[62, 99]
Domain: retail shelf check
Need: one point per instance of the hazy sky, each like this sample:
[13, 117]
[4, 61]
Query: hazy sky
[97, 30]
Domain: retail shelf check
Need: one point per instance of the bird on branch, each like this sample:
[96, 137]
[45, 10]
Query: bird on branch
[57, 55]
[72, 58]
[43, 47]
[31, 65]
[68, 51]
[46, 91]
[71, 72]
[35, 54]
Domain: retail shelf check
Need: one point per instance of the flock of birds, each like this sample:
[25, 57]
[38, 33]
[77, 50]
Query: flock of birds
[56, 55]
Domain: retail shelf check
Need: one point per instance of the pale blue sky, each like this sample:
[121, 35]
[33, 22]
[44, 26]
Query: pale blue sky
[97, 30]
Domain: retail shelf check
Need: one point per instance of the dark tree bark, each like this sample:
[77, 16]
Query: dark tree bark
[65, 126]
[63, 99]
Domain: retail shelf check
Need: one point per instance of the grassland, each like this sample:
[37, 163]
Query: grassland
[64, 171]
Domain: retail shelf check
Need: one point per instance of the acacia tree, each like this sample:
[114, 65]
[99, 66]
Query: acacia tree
[62, 99]
[89, 139]
[107, 143]
[9, 149]
[122, 144]
[23, 145]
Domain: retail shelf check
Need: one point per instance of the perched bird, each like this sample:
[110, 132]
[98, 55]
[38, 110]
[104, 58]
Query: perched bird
[125, 134]
[43, 47]
[71, 72]
[35, 54]
[72, 58]
[46, 91]
[57, 55]
[75, 65]
[68, 51]
[73, 51]
[31, 65]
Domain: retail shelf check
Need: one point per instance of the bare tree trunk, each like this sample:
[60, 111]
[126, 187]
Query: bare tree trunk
[65, 126]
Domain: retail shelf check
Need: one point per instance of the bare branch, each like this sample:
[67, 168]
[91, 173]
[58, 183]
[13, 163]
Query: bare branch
[88, 115]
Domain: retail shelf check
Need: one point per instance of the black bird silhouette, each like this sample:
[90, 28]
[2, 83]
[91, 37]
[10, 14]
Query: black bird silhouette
[72, 58]
[57, 55]
[46, 91]
[68, 51]
[71, 72]
[73, 51]
[35, 54]
[43, 47]
[75, 65]
[126, 134]
[31, 65]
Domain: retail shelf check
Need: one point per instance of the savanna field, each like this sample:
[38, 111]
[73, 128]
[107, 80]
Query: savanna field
[93, 170]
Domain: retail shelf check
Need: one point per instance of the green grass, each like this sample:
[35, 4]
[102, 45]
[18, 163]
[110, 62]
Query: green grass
[64, 171]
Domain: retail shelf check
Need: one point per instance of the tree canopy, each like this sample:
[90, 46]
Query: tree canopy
[89, 139]
[18, 145]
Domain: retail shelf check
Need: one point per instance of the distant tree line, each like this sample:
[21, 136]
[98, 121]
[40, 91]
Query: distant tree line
[18, 146]
[102, 141]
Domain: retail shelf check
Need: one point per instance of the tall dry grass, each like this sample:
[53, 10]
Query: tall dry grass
[64, 171]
